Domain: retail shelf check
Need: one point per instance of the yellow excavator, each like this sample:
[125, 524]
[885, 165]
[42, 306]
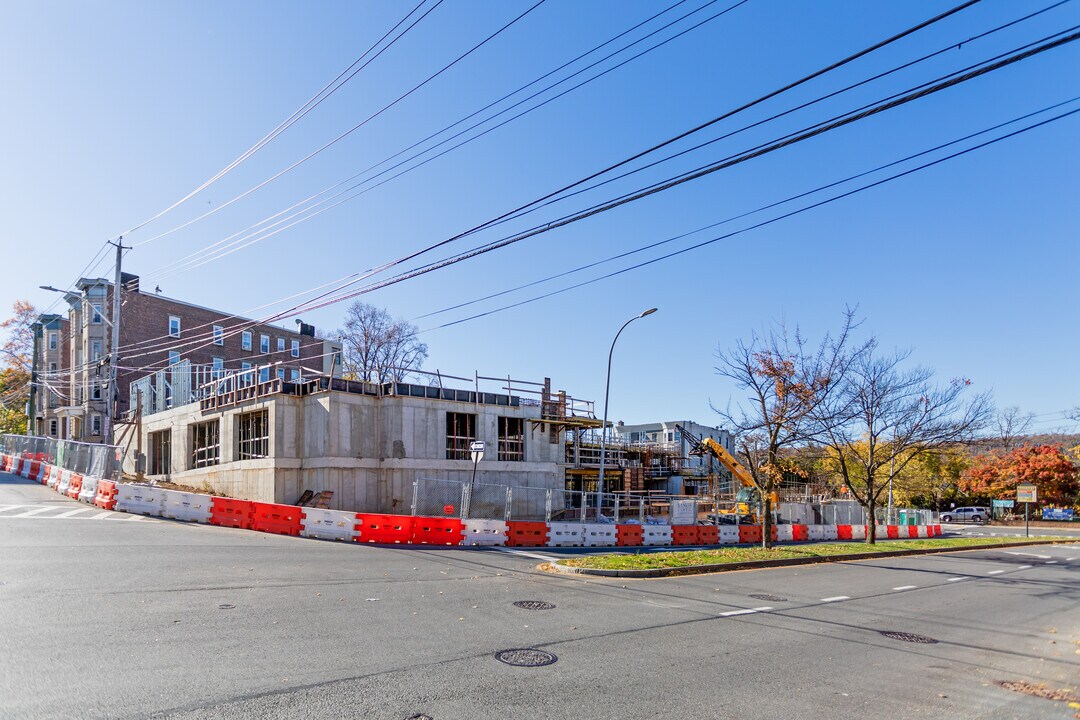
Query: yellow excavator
[748, 498]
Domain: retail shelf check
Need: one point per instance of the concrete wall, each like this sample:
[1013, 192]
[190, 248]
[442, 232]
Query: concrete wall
[368, 450]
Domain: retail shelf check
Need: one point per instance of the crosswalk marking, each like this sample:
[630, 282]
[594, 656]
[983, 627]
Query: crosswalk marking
[65, 511]
[70, 513]
[31, 513]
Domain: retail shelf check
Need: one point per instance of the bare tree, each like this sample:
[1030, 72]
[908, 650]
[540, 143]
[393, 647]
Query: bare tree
[884, 416]
[786, 382]
[1011, 424]
[377, 348]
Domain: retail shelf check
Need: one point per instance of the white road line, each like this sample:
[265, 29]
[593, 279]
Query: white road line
[538, 556]
[11, 507]
[100, 515]
[1068, 559]
[136, 518]
[906, 587]
[69, 513]
[995, 572]
[834, 599]
[747, 611]
[1024, 567]
[1034, 555]
[35, 511]
[957, 579]
[1050, 562]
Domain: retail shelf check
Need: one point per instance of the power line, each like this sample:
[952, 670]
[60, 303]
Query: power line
[763, 223]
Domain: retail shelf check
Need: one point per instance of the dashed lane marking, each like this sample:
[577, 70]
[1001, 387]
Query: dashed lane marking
[906, 587]
[1024, 567]
[747, 611]
[956, 579]
[1034, 555]
[836, 598]
[1051, 562]
[995, 572]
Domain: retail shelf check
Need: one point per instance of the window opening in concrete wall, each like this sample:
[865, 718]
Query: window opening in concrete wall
[253, 434]
[160, 446]
[205, 444]
[460, 431]
[512, 439]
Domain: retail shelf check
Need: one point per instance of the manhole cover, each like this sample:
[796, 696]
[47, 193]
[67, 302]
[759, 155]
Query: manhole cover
[770, 598]
[908, 637]
[226, 606]
[525, 657]
[534, 605]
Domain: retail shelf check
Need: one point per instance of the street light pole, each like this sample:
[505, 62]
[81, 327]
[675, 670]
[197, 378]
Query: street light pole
[607, 391]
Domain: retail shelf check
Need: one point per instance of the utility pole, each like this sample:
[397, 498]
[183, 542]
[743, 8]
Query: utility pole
[113, 395]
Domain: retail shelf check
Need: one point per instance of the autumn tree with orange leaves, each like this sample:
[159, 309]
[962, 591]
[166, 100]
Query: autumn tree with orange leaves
[1047, 467]
[16, 351]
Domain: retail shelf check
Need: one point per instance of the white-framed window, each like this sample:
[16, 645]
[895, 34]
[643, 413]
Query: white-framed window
[95, 350]
[219, 335]
[264, 343]
[174, 357]
[52, 368]
[52, 428]
[245, 340]
[264, 374]
[95, 317]
[174, 326]
[295, 350]
[281, 373]
[54, 340]
[95, 424]
[245, 373]
[95, 391]
[294, 375]
[281, 344]
[218, 367]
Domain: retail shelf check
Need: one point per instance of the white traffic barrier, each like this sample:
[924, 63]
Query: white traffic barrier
[65, 480]
[922, 531]
[485, 533]
[89, 489]
[828, 532]
[54, 477]
[881, 531]
[598, 535]
[858, 532]
[783, 533]
[328, 524]
[729, 534]
[814, 532]
[191, 507]
[139, 499]
[563, 534]
[655, 534]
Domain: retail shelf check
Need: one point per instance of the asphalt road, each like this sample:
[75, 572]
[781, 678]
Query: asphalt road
[107, 617]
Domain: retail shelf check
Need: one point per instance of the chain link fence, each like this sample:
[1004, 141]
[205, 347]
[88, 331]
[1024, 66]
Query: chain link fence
[102, 461]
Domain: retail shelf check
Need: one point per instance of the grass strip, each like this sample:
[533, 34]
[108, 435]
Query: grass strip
[645, 560]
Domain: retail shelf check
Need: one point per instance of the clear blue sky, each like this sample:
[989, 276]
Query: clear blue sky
[113, 111]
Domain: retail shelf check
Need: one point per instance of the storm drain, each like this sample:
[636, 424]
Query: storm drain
[769, 598]
[534, 605]
[525, 657]
[908, 637]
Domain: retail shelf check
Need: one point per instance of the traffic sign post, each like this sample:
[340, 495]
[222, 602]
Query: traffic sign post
[476, 450]
[1027, 494]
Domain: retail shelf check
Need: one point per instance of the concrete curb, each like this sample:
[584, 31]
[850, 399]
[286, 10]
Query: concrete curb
[783, 562]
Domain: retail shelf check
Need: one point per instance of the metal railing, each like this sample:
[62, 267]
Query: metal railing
[96, 460]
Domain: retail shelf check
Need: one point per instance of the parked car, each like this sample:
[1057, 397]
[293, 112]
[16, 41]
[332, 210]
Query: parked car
[966, 514]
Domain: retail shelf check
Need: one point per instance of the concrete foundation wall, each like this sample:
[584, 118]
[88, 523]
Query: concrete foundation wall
[367, 450]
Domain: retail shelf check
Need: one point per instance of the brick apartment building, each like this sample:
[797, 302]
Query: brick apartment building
[157, 334]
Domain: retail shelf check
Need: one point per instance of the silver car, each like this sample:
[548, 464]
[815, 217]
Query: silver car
[966, 514]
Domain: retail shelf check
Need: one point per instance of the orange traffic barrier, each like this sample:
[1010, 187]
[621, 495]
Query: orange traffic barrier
[526, 534]
[800, 532]
[438, 531]
[684, 535]
[389, 529]
[708, 535]
[274, 518]
[5, 463]
[106, 495]
[749, 533]
[35, 468]
[843, 532]
[628, 535]
[74, 487]
[231, 513]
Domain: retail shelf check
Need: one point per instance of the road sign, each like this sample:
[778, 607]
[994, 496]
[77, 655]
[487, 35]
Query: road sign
[1026, 493]
[476, 447]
